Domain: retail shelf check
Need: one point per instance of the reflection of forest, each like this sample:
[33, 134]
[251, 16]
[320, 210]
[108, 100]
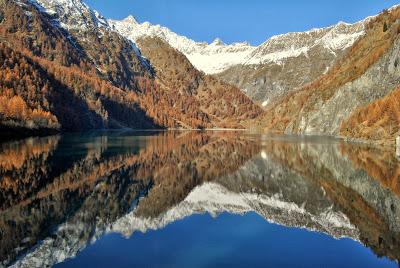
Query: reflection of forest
[381, 164]
[354, 177]
[91, 182]
[52, 183]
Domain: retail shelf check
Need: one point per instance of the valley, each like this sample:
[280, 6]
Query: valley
[68, 68]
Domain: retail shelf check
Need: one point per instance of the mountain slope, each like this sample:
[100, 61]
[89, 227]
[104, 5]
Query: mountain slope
[225, 105]
[116, 58]
[286, 62]
[368, 72]
[45, 68]
[378, 121]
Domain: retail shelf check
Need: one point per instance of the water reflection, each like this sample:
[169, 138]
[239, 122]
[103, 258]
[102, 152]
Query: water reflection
[60, 194]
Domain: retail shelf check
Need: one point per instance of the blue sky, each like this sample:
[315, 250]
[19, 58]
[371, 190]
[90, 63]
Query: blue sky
[240, 20]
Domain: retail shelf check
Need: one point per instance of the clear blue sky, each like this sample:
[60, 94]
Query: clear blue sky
[240, 20]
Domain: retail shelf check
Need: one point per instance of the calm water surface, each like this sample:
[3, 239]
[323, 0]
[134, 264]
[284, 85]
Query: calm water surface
[197, 199]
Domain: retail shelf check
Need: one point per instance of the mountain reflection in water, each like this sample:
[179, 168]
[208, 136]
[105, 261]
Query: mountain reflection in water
[60, 194]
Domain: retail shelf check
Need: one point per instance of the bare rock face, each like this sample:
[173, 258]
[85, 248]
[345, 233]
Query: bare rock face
[377, 82]
[266, 82]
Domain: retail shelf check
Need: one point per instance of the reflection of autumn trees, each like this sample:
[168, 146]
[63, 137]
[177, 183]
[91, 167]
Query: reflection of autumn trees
[35, 179]
[205, 158]
[305, 160]
[33, 211]
[23, 165]
[105, 180]
[14, 155]
[107, 175]
[381, 164]
[105, 199]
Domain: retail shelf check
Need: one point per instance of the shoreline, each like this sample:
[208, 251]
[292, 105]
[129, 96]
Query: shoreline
[16, 133]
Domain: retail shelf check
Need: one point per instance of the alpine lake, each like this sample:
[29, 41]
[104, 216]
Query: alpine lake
[197, 199]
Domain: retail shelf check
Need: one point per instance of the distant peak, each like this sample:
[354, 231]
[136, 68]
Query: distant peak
[218, 42]
[343, 23]
[131, 19]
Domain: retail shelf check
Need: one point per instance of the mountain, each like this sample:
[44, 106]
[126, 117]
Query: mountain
[66, 69]
[86, 25]
[286, 62]
[46, 69]
[114, 57]
[338, 101]
[279, 65]
[209, 58]
[329, 81]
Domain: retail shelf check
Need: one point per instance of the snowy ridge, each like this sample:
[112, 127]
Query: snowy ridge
[209, 198]
[210, 58]
[214, 199]
[216, 57]
[72, 14]
[280, 47]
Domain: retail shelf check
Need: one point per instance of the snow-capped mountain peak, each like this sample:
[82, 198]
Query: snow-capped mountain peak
[210, 58]
[130, 20]
[216, 57]
[218, 42]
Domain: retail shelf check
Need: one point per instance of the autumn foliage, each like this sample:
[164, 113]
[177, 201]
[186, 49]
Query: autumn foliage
[201, 96]
[379, 120]
[382, 165]
[99, 82]
[15, 111]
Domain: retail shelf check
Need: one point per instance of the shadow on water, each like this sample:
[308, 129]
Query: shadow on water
[59, 194]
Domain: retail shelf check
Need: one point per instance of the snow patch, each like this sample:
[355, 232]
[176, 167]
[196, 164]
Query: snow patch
[265, 103]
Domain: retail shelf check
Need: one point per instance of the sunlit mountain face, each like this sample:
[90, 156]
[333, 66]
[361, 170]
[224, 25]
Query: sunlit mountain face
[66, 199]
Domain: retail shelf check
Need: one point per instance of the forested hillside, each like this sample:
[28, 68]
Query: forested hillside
[78, 79]
[223, 103]
[378, 121]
